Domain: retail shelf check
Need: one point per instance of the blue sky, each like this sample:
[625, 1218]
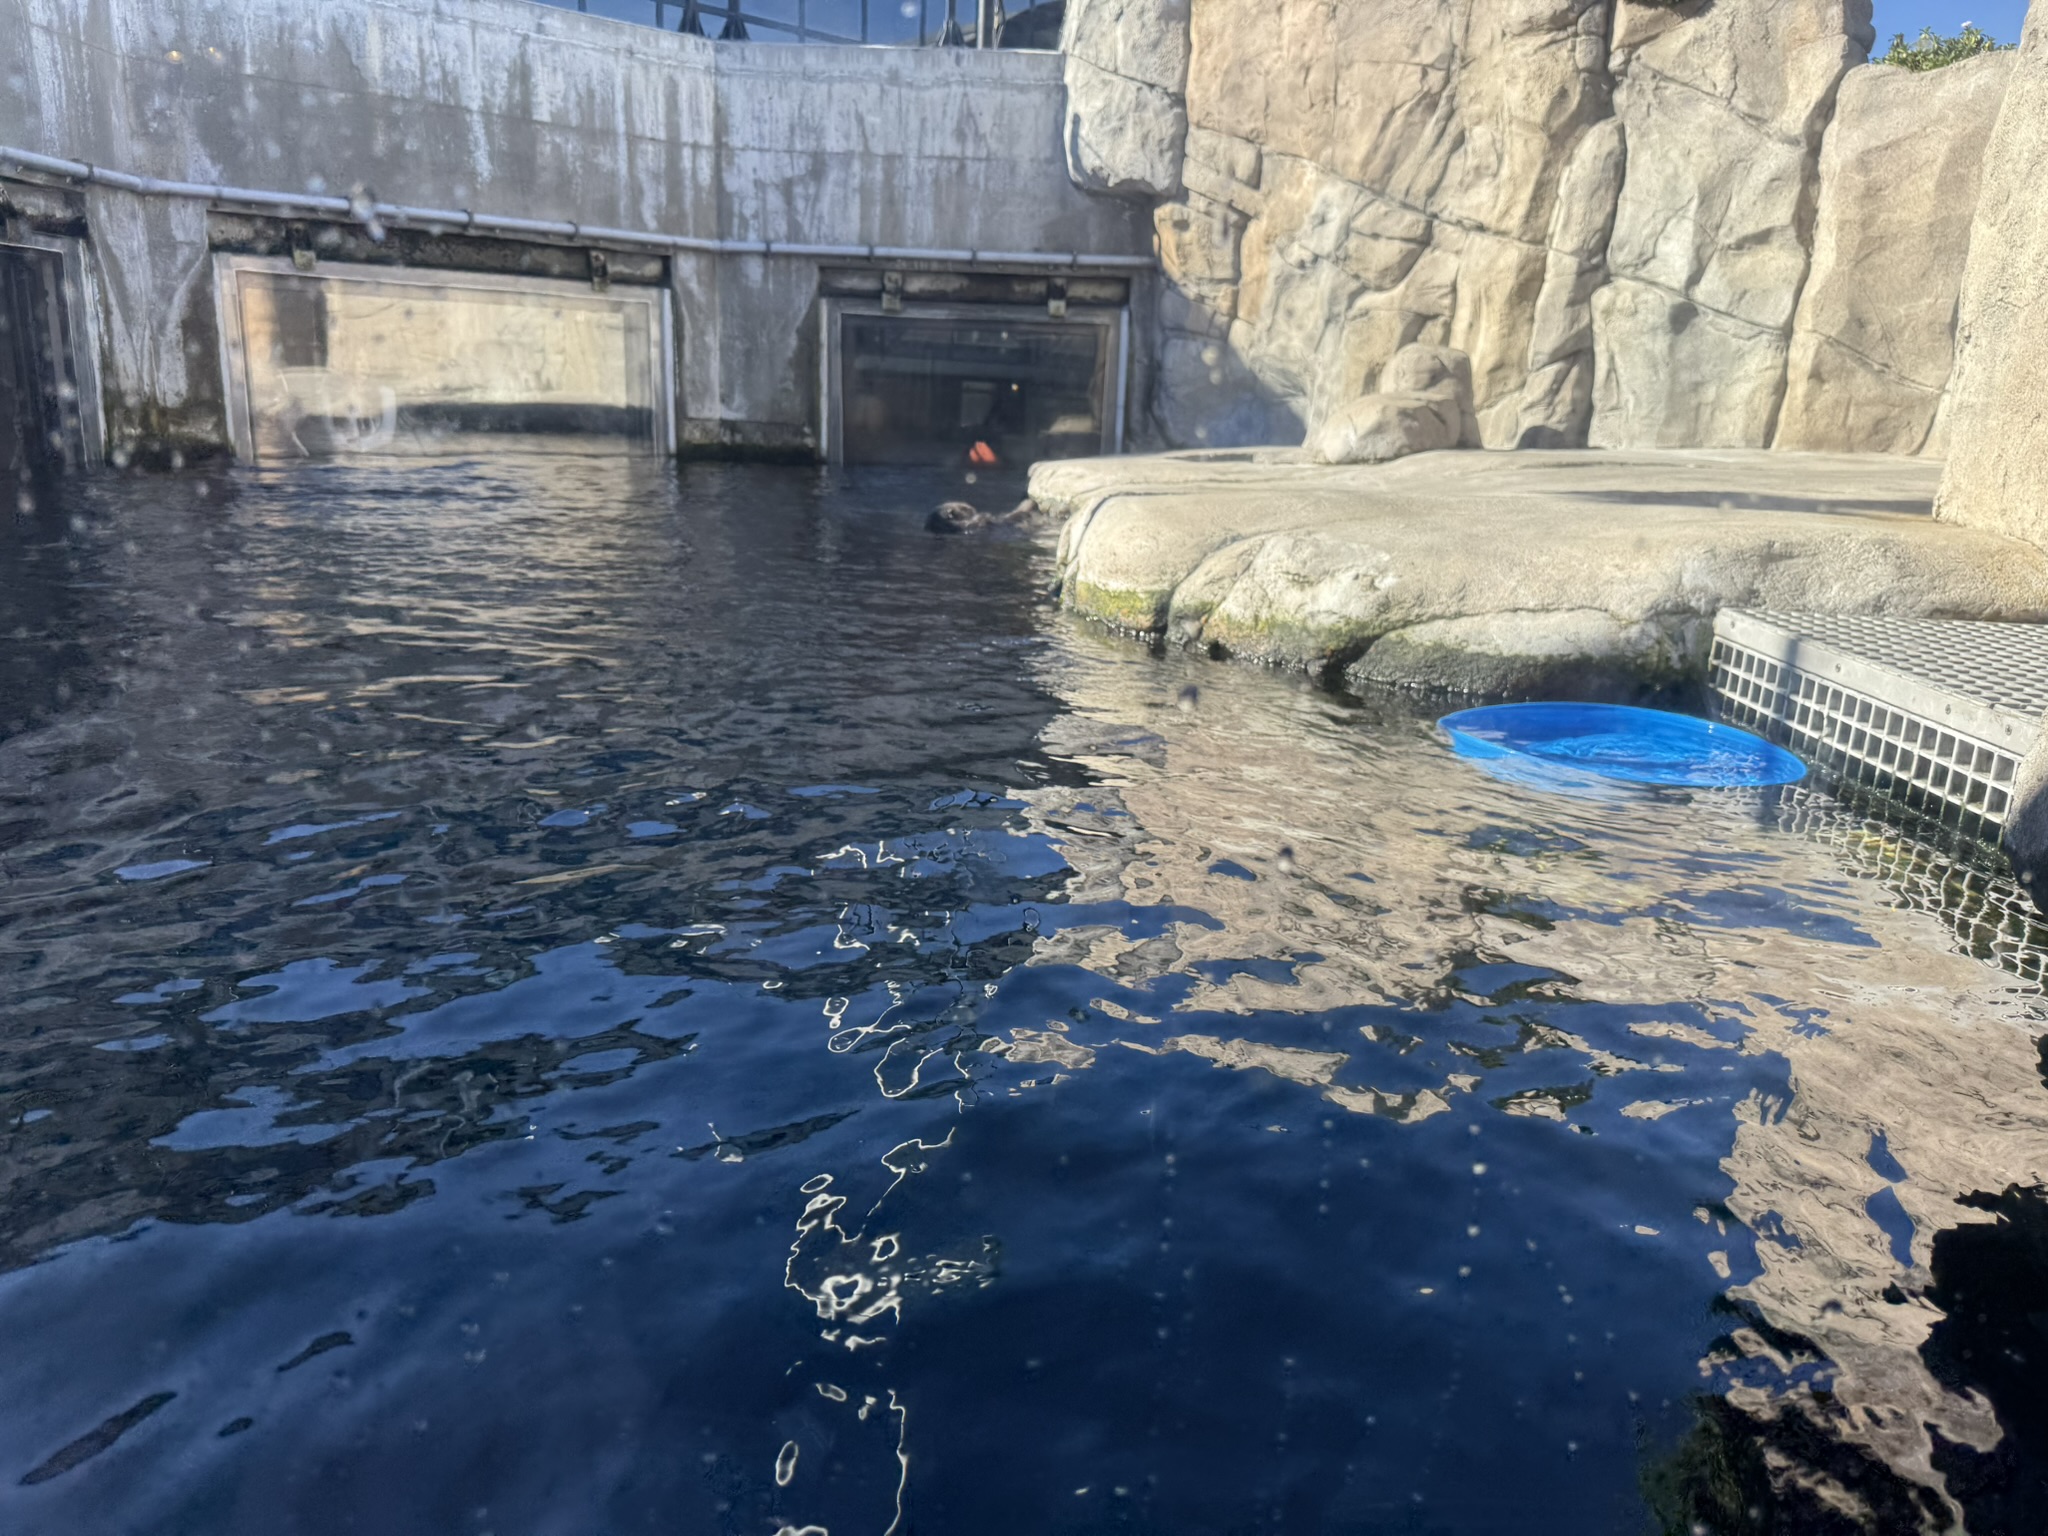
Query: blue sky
[2001, 18]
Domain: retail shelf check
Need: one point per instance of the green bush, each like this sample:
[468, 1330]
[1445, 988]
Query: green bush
[1933, 50]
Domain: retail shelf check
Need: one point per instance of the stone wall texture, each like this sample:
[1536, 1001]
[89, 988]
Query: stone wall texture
[1698, 224]
[1126, 72]
[1997, 474]
[1874, 339]
[1722, 108]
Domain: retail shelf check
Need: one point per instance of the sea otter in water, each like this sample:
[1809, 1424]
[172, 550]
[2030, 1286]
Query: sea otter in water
[964, 517]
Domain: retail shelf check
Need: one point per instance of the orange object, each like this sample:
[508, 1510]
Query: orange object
[981, 453]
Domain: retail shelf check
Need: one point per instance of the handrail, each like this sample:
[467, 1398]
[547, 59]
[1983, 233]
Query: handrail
[361, 210]
[991, 14]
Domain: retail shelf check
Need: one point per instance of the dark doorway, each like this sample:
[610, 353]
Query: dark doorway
[972, 391]
[39, 417]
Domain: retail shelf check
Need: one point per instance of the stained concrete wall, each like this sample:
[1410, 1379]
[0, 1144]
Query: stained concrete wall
[513, 108]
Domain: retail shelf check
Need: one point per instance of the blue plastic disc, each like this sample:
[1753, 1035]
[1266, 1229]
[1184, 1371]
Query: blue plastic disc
[1615, 741]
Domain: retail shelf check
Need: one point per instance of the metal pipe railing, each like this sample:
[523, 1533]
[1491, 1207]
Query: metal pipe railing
[362, 210]
[990, 16]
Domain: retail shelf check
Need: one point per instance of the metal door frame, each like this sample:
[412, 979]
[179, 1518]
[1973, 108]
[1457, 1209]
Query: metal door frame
[78, 345]
[1114, 321]
[227, 267]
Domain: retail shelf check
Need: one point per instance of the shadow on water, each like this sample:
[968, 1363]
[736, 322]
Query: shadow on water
[629, 999]
[47, 582]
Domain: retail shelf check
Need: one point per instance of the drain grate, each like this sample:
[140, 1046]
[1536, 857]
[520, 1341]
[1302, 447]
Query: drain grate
[1934, 713]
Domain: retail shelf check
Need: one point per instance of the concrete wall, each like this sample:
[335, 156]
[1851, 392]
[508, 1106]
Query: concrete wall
[513, 108]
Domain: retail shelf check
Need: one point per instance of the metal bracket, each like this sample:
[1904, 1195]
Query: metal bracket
[600, 272]
[892, 293]
[1056, 297]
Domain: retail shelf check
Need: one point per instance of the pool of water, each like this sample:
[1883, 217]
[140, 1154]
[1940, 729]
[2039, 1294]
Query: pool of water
[605, 999]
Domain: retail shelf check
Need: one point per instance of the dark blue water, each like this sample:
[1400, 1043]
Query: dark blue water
[603, 999]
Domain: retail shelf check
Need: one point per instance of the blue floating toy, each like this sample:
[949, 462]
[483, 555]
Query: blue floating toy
[1616, 741]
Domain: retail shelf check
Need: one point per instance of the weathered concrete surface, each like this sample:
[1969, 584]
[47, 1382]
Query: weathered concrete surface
[1360, 176]
[2025, 833]
[1722, 108]
[1500, 573]
[1997, 476]
[1126, 77]
[514, 108]
[1874, 340]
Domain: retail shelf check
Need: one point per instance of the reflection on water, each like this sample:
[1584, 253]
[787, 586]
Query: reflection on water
[607, 1000]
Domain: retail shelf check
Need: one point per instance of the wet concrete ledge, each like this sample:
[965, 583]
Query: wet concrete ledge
[1574, 573]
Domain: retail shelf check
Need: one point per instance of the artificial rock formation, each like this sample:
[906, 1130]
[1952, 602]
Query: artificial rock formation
[1874, 339]
[1997, 474]
[1557, 394]
[1722, 107]
[1424, 402]
[1495, 573]
[1619, 209]
[1357, 178]
[1126, 67]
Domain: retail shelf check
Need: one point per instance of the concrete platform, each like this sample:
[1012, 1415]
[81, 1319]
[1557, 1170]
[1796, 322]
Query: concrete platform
[1579, 572]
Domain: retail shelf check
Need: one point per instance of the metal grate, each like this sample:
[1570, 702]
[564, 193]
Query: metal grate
[1936, 714]
[1988, 911]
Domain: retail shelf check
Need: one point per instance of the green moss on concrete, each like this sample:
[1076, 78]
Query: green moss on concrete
[1281, 639]
[1142, 612]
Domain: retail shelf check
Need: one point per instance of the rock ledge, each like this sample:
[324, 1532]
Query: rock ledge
[1563, 572]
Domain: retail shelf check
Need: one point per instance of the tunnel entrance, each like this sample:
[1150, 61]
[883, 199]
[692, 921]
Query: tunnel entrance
[346, 360]
[977, 385]
[43, 411]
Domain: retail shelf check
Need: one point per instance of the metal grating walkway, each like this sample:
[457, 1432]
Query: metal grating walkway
[1934, 713]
